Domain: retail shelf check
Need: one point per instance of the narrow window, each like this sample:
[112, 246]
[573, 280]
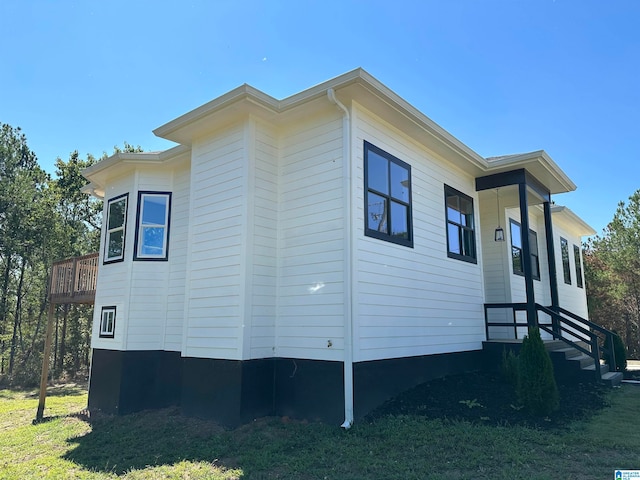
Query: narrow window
[566, 268]
[578, 262]
[115, 229]
[387, 197]
[152, 233]
[108, 322]
[461, 239]
[516, 250]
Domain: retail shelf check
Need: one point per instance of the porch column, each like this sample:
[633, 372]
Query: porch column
[532, 319]
[551, 259]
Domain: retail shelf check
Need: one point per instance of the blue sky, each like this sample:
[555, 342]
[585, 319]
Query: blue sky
[502, 76]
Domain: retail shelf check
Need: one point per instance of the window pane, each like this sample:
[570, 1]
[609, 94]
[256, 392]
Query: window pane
[399, 182]
[399, 220]
[564, 247]
[377, 206]
[466, 209]
[454, 239]
[516, 237]
[378, 173]
[115, 244]
[578, 263]
[116, 213]
[154, 210]
[469, 243]
[516, 257]
[152, 241]
[453, 209]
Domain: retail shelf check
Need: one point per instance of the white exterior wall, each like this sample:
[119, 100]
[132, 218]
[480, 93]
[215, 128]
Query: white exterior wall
[215, 266]
[572, 297]
[263, 301]
[179, 235]
[112, 287]
[414, 301]
[311, 264]
[149, 280]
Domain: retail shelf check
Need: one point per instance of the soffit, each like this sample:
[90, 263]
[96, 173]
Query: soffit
[122, 163]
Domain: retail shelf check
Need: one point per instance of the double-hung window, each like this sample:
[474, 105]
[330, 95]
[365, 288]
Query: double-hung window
[578, 262]
[516, 250]
[461, 238]
[115, 231]
[566, 267]
[387, 202]
[152, 233]
[108, 322]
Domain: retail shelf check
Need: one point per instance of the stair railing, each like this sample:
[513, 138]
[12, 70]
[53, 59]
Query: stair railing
[566, 327]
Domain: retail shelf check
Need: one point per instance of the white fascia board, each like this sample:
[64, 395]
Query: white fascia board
[573, 220]
[246, 99]
[540, 165]
[98, 173]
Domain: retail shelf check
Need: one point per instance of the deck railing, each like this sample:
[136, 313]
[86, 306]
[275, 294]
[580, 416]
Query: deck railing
[74, 280]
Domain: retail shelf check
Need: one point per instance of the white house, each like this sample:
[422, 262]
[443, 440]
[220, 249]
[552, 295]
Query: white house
[313, 256]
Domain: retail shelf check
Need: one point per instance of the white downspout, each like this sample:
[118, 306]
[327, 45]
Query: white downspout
[348, 290]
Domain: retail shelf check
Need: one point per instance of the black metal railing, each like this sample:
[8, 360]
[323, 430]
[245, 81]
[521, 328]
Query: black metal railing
[562, 325]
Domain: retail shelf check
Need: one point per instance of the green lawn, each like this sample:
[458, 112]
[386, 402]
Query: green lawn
[164, 444]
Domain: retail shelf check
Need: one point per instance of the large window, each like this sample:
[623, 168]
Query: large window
[578, 262]
[108, 322]
[516, 250]
[115, 231]
[387, 197]
[461, 239]
[152, 233]
[566, 267]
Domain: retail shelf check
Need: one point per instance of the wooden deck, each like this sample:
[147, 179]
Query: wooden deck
[74, 280]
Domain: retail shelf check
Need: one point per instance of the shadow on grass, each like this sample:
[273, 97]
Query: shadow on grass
[117, 444]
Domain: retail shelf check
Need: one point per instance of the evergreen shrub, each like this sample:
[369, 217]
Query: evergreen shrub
[537, 389]
[510, 366]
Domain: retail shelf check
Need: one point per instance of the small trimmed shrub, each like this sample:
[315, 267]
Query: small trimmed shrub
[510, 366]
[537, 389]
[620, 352]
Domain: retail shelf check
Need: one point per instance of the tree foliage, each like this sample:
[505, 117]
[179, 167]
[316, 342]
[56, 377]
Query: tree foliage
[612, 270]
[42, 219]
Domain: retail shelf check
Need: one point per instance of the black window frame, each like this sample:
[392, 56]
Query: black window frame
[104, 332]
[577, 258]
[533, 247]
[107, 231]
[566, 262]
[471, 257]
[387, 197]
[137, 256]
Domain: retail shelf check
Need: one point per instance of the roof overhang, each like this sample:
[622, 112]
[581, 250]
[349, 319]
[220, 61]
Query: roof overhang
[572, 221]
[358, 87]
[121, 163]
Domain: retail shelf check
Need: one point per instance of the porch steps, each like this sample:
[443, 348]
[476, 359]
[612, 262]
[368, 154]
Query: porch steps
[570, 364]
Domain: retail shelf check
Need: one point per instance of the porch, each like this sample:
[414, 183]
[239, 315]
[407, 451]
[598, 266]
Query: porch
[580, 349]
[74, 280]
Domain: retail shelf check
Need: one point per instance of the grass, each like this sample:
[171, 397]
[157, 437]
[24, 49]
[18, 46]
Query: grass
[164, 444]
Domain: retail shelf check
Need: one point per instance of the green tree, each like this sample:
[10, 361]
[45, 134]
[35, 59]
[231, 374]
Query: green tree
[612, 269]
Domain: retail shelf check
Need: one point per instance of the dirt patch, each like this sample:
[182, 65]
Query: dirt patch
[487, 398]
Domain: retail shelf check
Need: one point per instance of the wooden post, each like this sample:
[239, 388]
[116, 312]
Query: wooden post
[45, 362]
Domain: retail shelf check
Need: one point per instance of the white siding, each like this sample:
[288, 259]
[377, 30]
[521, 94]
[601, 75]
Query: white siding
[112, 288]
[414, 301]
[148, 288]
[311, 244]
[572, 297]
[265, 242]
[177, 259]
[215, 279]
